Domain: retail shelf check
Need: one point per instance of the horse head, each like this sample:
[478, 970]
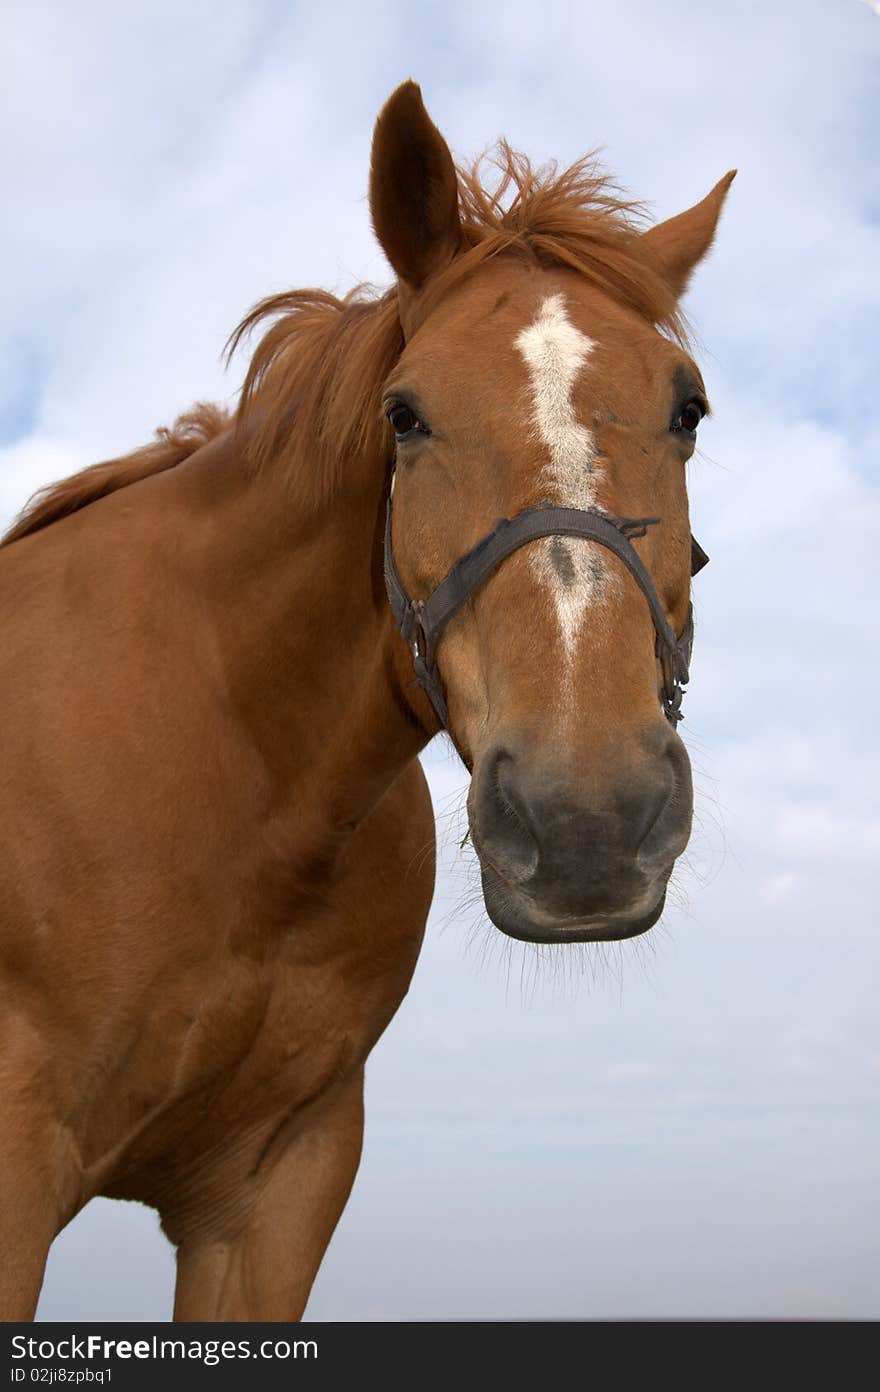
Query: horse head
[545, 376]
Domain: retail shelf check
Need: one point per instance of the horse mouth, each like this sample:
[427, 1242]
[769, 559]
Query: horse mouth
[509, 913]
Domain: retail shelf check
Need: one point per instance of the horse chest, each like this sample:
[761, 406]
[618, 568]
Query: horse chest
[241, 1040]
[228, 1055]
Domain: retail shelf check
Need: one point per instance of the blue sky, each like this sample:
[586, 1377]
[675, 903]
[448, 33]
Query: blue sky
[682, 1125]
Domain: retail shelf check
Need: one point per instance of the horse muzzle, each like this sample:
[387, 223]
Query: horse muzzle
[579, 860]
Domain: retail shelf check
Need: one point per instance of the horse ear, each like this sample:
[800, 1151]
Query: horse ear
[413, 189]
[675, 247]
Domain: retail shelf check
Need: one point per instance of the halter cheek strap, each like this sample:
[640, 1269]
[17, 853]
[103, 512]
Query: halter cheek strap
[421, 622]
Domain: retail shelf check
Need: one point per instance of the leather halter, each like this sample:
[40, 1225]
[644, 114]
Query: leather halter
[422, 621]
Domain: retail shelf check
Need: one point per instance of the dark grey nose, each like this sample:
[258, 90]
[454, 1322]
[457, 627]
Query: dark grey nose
[583, 843]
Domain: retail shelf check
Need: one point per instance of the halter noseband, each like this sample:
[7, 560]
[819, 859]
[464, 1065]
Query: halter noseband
[422, 621]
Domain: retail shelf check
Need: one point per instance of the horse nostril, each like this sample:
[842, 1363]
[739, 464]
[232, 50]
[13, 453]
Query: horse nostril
[513, 805]
[669, 830]
[503, 828]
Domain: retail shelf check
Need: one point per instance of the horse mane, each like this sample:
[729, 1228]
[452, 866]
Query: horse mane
[321, 365]
[577, 217]
[171, 446]
[323, 361]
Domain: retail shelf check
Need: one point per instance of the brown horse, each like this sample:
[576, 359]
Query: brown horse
[218, 850]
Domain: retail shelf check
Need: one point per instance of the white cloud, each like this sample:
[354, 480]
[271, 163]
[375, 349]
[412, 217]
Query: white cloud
[782, 887]
[821, 832]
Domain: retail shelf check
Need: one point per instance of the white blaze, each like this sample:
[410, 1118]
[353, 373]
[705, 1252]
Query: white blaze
[555, 352]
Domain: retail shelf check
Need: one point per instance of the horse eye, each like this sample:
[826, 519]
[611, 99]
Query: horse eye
[403, 420]
[690, 418]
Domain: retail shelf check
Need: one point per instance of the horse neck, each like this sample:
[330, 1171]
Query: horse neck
[303, 633]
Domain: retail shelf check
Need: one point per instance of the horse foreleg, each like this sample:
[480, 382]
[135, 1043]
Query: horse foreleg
[30, 1211]
[262, 1266]
[25, 1239]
